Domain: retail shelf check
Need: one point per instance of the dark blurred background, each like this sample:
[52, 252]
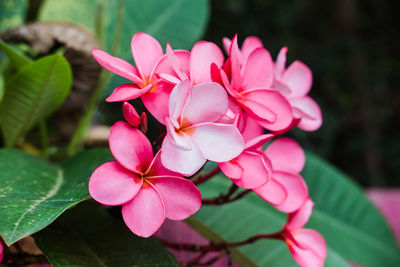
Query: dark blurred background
[352, 47]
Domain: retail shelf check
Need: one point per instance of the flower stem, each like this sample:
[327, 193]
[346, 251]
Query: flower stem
[227, 198]
[207, 176]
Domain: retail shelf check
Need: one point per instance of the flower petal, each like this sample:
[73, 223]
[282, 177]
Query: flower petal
[156, 102]
[311, 240]
[146, 52]
[130, 147]
[130, 115]
[182, 140]
[203, 54]
[296, 189]
[127, 92]
[180, 196]
[178, 99]
[299, 218]
[226, 42]
[112, 185]
[218, 142]
[231, 169]
[236, 64]
[299, 79]
[251, 128]
[145, 213]
[186, 162]
[157, 169]
[286, 154]
[280, 63]
[250, 44]
[258, 70]
[259, 141]
[181, 63]
[116, 65]
[313, 119]
[1, 252]
[272, 192]
[256, 171]
[208, 102]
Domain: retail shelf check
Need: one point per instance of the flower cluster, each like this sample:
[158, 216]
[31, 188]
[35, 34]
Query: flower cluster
[213, 110]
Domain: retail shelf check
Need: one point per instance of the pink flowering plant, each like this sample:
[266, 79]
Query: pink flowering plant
[112, 152]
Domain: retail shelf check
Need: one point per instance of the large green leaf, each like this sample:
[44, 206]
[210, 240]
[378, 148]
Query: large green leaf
[16, 57]
[11, 13]
[181, 22]
[34, 193]
[33, 94]
[88, 236]
[244, 218]
[346, 218]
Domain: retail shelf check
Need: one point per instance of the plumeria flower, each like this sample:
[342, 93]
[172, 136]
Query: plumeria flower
[307, 246]
[194, 65]
[147, 191]
[295, 83]
[146, 52]
[286, 189]
[193, 135]
[133, 118]
[250, 85]
[251, 169]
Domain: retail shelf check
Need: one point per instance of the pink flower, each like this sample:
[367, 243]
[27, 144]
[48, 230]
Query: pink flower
[146, 52]
[286, 189]
[179, 65]
[250, 85]
[251, 169]
[295, 83]
[147, 191]
[307, 246]
[133, 118]
[193, 135]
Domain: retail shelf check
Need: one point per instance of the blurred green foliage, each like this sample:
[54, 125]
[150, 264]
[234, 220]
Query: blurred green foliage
[352, 48]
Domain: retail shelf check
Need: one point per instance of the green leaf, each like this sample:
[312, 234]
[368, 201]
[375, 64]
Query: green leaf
[34, 193]
[181, 22]
[88, 236]
[33, 94]
[11, 13]
[242, 219]
[17, 59]
[346, 218]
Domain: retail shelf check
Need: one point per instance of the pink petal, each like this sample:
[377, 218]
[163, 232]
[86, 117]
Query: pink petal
[178, 99]
[127, 92]
[311, 240]
[280, 63]
[313, 119]
[186, 162]
[298, 78]
[181, 197]
[231, 169]
[156, 102]
[250, 44]
[272, 192]
[226, 42]
[218, 142]
[296, 189]
[251, 128]
[116, 65]
[130, 147]
[286, 154]
[1, 252]
[225, 81]
[305, 258]
[269, 108]
[203, 54]
[112, 185]
[256, 170]
[145, 213]
[236, 64]
[157, 169]
[180, 64]
[259, 141]
[208, 102]
[130, 114]
[258, 70]
[232, 114]
[146, 51]
[299, 218]
[182, 140]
